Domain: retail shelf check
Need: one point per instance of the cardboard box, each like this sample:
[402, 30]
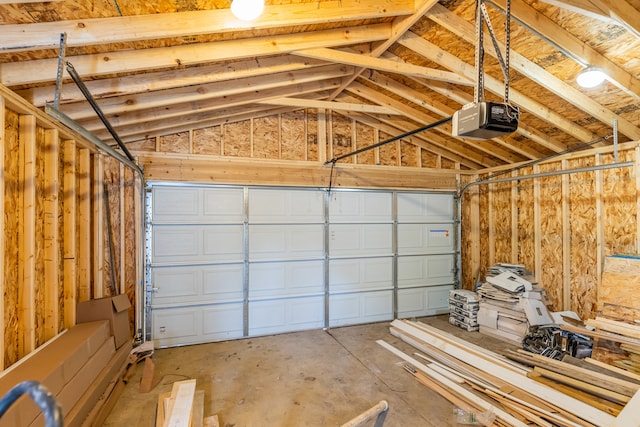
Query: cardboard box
[114, 309]
[52, 365]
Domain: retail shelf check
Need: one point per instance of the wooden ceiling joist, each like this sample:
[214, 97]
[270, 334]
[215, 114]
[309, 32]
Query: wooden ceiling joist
[129, 61]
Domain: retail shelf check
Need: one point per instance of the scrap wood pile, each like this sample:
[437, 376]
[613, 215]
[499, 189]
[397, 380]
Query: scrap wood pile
[183, 407]
[503, 392]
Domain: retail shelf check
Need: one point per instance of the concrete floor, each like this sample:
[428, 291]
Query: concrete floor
[312, 378]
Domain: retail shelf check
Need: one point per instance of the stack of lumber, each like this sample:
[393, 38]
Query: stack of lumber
[483, 382]
[183, 407]
[618, 343]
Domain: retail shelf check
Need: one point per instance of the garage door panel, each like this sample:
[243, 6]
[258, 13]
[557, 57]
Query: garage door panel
[272, 242]
[282, 206]
[197, 205]
[425, 238]
[171, 283]
[352, 309]
[421, 207]
[223, 282]
[223, 205]
[360, 240]
[193, 243]
[427, 301]
[360, 274]
[223, 243]
[359, 207]
[425, 270]
[285, 315]
[286, 278]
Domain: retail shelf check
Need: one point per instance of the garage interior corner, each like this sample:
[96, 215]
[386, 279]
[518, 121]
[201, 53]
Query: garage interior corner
[309, 378]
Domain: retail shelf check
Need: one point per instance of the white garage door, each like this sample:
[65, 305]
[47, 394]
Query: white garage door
[232, 262]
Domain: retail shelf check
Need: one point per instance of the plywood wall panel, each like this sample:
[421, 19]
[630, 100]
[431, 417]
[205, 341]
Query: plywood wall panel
[236, 139]
[175, 143]
[620, 202]
[410, 154]
[293, 135]
[429, 159]
[483, 198]
[388, 152]
[365, 138]
[312, 136]
[583, 284]
[266, 138]
[341, 136]
[147, 144]
[447, 164]
[207, 140]
[526, 221]
[501, 221]
[551, 273]
[12, 201]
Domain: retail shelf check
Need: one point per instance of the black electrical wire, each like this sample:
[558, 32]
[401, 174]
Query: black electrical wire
[85, 91]
[41, 396]
[395, 138]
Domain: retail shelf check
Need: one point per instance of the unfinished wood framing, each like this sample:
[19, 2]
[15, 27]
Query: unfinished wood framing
[564, 226]
[49, 251]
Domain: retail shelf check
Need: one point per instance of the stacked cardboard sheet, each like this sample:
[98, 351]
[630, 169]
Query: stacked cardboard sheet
[463, 309]
[510, 304]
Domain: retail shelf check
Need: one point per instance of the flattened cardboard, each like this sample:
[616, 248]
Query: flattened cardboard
[114, 309]
[52, 366]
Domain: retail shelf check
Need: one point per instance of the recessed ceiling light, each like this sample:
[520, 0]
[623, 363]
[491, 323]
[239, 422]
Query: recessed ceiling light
[590, 77]
[247, 10]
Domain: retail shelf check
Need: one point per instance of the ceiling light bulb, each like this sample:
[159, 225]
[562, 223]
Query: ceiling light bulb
[590, 77]
[247, 10]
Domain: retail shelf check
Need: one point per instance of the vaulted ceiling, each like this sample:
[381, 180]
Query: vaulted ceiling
[157, 68]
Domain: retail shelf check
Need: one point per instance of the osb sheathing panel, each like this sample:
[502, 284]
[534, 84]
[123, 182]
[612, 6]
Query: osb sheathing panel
[236, 139]
[526, 222]
[429, 159]
[293, 135]
[619, 198]
[312, 135]
[409, 155]
[266, 138]
[484, 230]
[12, 201]
[584, 228]
[208, 140]
[175, 143]
[364, 138]
[469, 238]
[131, 240]
[341, 136]
[388, 152]
[501, 221]
[551, 236]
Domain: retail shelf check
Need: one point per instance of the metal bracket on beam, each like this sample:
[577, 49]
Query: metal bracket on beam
[61, 61]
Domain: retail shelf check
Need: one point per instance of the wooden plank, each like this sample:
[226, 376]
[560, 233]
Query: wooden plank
[211, 421]
[26, 237]
[51, 233]
[125, 61]
[69, 220]
[84, 225]
[566, 240]
[582, 410]
[599, 226]
[630, 414]
[450, 385]
[2, 226]
[180, 411]
[581, 385]
[537, 225]
[160, 409]
[612, 368]
[147, 382]
[198, 409]
[98, 221]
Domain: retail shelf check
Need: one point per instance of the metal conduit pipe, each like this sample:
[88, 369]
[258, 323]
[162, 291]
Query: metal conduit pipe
[519, 178]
